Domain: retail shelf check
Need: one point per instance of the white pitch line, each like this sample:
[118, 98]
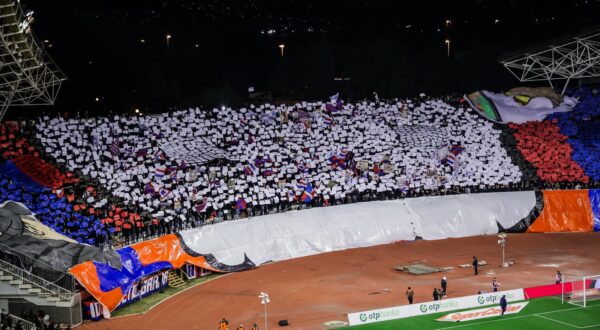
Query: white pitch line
[475, 324]
[557, 321]
[519, 317]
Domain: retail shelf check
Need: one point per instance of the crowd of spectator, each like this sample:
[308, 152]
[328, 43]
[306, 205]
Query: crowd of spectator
[143, 176]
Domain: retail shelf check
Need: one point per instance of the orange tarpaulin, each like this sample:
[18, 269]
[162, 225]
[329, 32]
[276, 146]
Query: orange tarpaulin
[168, 248]
[564, 211]
[86, 274]
[163, 249]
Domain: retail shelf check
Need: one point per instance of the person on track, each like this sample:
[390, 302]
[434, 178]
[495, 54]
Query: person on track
[475, 264]
[241, 327]
[495, 285]
[410, 295]
[503, 304]
[223, 324]
[436, 294]
[254, 327]
[559, 277]
[444, 284]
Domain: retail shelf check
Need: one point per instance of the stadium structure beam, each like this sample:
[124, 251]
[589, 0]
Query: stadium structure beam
[574, 59]
[28, 76]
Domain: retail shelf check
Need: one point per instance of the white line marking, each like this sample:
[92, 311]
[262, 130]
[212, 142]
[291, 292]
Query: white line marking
[557, 321]
[519, 317]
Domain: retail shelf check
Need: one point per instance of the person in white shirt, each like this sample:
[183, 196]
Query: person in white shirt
[495, 285]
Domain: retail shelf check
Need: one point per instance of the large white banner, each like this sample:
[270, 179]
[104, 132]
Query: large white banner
[432, 307]
[294, 234]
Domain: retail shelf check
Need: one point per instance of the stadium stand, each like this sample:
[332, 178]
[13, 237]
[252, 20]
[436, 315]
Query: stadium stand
[581, 127]
[58, 197]
[54, 211]
[180, 170]
[223, 162]
[42, 172]
[543, 145]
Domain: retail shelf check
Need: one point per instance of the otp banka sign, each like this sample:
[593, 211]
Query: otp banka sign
[494, 297]
[378, 315]
[438, 306]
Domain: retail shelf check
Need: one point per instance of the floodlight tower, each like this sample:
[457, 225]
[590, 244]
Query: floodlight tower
[28, 76]
[502, 243]
[264, 299]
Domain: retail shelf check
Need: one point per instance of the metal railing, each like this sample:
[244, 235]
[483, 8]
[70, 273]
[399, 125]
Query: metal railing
[37, 268]
[24, 323]
[35, 281]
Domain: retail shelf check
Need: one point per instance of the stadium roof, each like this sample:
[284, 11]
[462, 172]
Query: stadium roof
[572, 58]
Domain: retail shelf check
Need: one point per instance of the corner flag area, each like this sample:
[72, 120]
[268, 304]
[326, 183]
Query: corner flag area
[542, 313]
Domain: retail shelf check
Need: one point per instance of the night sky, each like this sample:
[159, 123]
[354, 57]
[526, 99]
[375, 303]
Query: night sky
[117, 51]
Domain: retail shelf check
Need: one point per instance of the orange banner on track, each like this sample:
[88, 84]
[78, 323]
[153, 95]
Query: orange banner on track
[168, 248]
[106, 283]
[86, 274]
[564, 211]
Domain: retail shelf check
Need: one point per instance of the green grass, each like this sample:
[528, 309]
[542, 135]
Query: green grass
[543, 313]
[147, 302]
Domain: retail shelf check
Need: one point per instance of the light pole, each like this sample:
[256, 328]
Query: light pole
[448, 44]
[264, 299]
[168, 39]
[281, 47]
[502, 243]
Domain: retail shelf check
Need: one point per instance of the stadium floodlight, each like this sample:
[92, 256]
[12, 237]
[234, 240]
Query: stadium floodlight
[264, 299]
[28, 76]
[168, 37]
[576, 58]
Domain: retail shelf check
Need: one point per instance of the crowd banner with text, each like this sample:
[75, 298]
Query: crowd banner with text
[145, 287]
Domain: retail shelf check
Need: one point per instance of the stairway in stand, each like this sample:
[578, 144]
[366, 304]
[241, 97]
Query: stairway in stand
[175, 281]
[57, 299]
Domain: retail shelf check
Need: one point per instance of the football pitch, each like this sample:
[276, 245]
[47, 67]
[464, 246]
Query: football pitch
[543, 313]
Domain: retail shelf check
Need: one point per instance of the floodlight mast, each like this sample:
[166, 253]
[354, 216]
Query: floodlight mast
[28, 76]
[502, 243]
[264, 299]
[578, 58]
